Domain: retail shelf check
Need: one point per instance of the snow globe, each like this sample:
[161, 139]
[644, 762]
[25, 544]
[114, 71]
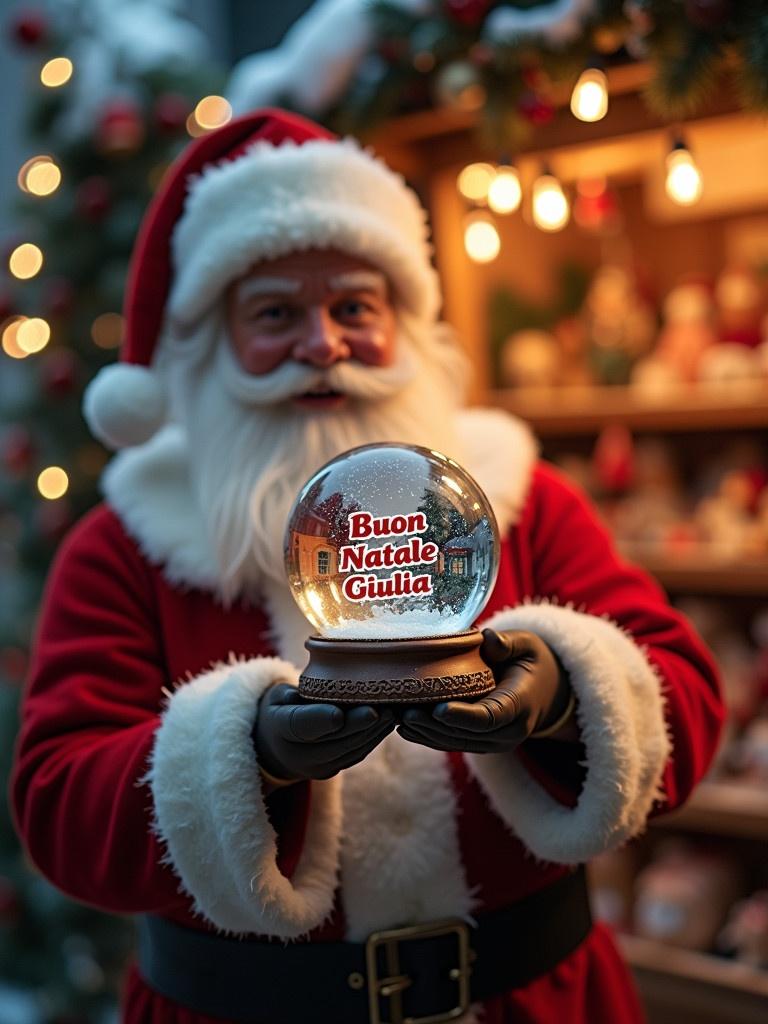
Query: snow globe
[391, 552]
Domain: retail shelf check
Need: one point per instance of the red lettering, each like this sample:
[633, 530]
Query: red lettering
[359, 525]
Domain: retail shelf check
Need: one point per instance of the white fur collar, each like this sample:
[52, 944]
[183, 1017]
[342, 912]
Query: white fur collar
[150, 490]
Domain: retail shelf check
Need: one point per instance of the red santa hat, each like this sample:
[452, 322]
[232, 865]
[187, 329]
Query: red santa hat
[262, 186]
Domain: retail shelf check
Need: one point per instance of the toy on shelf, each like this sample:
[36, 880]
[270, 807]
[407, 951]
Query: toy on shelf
[647, 519]
[611, 886]
[688, 333]
[619, 322]
[683, 896]
[745, 935]
[740, 306]
[530, 359]
[750, 754]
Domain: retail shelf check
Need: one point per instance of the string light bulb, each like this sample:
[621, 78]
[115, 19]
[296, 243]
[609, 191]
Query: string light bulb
[56, 72]
[10, 344]
[212, 112]
[550, 206]
[481, 239]
[53, 483]
[39, 176]
[25, 261]
[33, 335]
[475, 180]
[683, 182]
[504, 192]
[589, 99]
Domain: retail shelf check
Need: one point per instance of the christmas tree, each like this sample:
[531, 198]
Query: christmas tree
[115, 90]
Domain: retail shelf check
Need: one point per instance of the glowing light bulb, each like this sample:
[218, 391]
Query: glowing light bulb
[683, 183]
[25, 261]
[33, 335]
[481, 239]
[53, 483]
[589, 99]
[39, 175]
[475, 181]
[107, 330]
[551, 209]
[56, 72]
[504, 194]
[10, 343]
[212, 112]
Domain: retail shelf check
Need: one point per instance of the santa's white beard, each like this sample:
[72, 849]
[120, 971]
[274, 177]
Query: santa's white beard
[252, 449]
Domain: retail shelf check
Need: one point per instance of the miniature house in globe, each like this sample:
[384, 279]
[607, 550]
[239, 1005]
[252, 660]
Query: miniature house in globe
[396, 546]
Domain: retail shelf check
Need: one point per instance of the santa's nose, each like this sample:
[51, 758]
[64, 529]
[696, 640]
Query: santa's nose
[322, 343]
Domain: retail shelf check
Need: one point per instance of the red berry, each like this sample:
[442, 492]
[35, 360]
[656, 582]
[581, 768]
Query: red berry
[28, 28]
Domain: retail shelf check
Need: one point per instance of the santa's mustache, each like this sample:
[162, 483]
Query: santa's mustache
[292, 379]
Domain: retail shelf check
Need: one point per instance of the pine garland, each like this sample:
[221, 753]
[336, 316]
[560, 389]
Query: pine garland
[422, 62]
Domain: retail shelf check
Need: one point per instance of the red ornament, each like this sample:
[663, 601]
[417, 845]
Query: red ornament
[707, 14]
[613, 459]
[596, 207]
[29, 28]
[59, 372]
[120, 128]
[468, 12]
[93, 198]
[59, 297]
[535, 109]
[171, 112]
[17, 450]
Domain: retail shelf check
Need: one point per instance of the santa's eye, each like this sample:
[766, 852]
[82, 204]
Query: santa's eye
[354, 310]
[273, 315]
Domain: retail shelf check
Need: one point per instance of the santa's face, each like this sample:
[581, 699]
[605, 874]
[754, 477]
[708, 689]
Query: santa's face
[318, 308]
[306, 358]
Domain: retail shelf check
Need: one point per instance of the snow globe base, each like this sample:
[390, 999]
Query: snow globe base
[411, 671]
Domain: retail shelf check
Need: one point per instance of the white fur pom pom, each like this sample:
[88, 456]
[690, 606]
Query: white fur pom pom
[124, 405]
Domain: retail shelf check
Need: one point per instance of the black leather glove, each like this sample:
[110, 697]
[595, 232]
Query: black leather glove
[532, 692]
[302, 740]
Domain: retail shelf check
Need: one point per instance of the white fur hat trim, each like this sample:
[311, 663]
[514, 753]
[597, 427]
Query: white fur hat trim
[124, 405]
[274, 200]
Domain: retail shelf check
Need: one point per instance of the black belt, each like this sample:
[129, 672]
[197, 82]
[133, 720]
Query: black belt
[426, 971]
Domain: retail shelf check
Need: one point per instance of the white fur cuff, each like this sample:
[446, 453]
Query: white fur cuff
[210, 812]
[621, 717]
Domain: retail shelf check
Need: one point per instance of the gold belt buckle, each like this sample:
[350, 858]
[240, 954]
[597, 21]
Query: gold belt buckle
[395, 983]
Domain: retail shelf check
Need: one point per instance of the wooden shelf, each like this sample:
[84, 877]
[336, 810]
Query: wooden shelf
[683, 986]
[722, 808]
[586, 410]
[699, 574]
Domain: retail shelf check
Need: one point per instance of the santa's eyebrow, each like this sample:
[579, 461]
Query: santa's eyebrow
[254, 286]
[360, 280]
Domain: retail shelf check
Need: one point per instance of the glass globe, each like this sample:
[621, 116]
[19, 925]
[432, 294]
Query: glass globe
[391, 541]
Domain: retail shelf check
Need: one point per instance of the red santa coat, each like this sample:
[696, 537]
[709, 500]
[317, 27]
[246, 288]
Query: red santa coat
[136, 788]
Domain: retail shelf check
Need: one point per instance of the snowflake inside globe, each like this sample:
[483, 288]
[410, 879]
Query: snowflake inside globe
[391, 541]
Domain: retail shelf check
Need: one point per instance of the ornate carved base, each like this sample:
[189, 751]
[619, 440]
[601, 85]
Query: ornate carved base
[395, 671]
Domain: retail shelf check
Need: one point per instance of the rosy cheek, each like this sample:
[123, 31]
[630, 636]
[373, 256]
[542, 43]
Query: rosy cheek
[259, 354]
[373, 346]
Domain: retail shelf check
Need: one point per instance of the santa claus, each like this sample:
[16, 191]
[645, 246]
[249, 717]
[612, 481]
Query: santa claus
[282, 308]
